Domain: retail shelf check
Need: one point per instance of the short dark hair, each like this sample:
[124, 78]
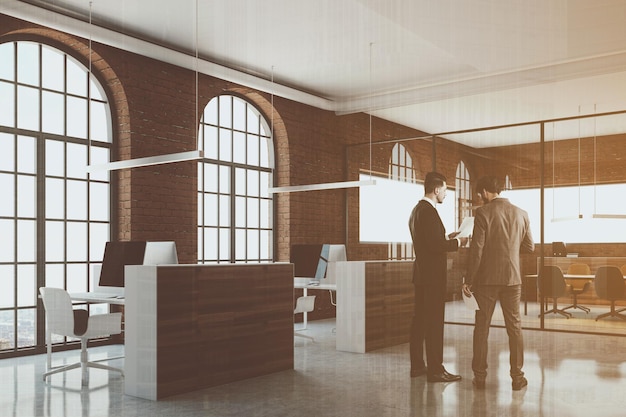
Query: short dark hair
[489, 183]
[433, 180]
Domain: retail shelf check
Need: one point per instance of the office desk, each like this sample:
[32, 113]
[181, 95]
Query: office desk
[190, 327]
[97, 298]
[305, 284]
[374, 304]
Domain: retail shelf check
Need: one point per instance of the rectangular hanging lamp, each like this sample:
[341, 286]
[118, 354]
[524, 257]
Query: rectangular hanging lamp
[565, 219]
[609, 216]
[322, 186]
[147, 161]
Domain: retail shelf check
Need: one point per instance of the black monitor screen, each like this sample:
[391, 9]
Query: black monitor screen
[116, 256]
[558, 249]
[305, 259]
[310, 261]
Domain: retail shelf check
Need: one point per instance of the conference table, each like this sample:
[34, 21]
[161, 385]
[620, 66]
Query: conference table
[580, 278]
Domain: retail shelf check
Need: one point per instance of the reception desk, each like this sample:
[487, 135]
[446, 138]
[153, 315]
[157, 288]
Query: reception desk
[189, 327]
[374, 304]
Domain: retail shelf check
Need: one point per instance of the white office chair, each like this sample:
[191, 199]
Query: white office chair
[62, 319]
[304, 304]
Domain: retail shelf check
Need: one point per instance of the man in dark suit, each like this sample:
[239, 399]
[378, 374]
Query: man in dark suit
[501, 232]
[429, 279]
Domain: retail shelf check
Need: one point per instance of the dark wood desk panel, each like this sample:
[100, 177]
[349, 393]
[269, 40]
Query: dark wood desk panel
[248, 326]
[396, 294]
[214, 324]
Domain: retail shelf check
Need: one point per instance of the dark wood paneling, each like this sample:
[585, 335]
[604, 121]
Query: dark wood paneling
[389, 303]
[220, 324]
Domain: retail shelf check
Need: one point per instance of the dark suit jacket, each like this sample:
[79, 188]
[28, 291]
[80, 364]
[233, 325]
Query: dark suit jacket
[501, 232]
[430, 245]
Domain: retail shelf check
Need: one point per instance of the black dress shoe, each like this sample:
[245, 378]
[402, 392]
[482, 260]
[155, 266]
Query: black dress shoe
[519, 384]
[444, 376]
[418, 372]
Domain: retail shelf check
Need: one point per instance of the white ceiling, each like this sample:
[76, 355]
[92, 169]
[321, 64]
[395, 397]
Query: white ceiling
[434, 65]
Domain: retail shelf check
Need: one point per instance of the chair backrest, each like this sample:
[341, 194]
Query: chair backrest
[579, 269]
[59, 312]
[551, 281]
[305, 304]
[609, 283]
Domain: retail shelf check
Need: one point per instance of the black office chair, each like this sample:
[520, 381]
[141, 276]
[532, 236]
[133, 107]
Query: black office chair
[552, 285]
[609, 285]
[578, 269]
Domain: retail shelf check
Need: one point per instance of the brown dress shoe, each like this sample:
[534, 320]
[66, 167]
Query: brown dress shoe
[444, 376]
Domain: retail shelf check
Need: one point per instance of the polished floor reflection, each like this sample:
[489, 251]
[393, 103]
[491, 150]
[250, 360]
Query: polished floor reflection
[580, 321]
[569, 375]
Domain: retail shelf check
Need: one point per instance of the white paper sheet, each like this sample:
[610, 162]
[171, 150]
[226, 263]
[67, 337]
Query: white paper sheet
[470, 302]
[466, 228]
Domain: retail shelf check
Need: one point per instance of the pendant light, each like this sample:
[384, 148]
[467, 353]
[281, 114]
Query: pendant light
[597, 215]
[566, 218]
[338, 184]
[156, 159]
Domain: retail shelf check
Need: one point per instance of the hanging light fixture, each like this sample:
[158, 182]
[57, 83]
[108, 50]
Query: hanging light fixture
[597, 215]
[156, 159]
[566, 218]
[338, 184]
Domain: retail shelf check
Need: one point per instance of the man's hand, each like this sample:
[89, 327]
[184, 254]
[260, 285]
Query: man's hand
[462, 240]
[467, 290]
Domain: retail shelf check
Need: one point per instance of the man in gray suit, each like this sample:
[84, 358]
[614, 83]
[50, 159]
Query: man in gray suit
[501, 232]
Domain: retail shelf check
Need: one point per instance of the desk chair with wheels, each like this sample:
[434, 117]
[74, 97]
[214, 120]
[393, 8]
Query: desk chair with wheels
[304, 304]
[578, 269]
[63, 320]
[609, 285]
[552, 285]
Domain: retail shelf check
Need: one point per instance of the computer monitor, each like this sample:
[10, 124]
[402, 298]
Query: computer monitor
[160, 253]
[308, 261]
[116, 256]
[559, 249]
[313, 260]
[336, 253]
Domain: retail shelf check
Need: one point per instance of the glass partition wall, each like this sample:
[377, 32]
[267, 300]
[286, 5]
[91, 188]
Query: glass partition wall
[513, 155]
[569, 175]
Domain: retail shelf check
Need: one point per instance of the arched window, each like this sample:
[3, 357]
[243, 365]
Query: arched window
[235, 210]
[463, 202]
[54, 218]
[401, 169]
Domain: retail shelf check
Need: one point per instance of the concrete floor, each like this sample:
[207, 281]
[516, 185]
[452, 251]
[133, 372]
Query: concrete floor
[569, 375]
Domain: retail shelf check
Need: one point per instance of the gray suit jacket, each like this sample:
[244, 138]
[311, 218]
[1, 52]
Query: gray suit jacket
[501, 232]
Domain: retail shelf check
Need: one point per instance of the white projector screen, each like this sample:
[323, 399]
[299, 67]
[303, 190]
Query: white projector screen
[385, 208]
